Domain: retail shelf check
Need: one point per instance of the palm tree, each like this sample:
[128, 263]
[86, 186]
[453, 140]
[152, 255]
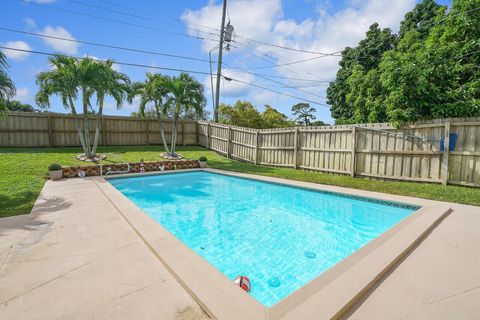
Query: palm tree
[185, 94]
[108, 83]
[152, 91]
[68, 77]
[89, 74]
[7, 87]
[60, 81]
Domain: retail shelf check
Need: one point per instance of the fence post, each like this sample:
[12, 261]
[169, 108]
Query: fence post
[208, 135]
[147, 132]
[229, 139]
[295, 149]
[50, 135]
[183, 133]
[197, 133]
[256, 146]
[354, 149]
[446, 150]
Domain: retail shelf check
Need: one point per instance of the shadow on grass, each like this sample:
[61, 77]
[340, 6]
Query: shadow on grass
[23, 203]
[17, 202]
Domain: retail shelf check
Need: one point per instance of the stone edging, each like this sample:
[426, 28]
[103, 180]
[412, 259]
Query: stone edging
[94, 170]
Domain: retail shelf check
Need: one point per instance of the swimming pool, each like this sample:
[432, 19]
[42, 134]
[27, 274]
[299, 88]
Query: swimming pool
[281, 237]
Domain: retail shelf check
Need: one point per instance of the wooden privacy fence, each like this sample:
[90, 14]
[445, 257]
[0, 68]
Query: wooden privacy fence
[22, 129]
[419, 152]
[413, 153]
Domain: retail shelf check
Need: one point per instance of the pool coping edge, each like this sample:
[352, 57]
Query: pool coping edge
[338, 289]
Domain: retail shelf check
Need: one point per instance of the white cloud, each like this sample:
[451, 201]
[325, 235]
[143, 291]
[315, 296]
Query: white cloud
[254, 18]
[30, 23]
[22, 94]
[111, 106]
[43, 1]
[62, 46]
[16, 55]
[263, 20]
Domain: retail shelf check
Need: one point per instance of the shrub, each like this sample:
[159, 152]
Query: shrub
[54, 167]
[202, 159]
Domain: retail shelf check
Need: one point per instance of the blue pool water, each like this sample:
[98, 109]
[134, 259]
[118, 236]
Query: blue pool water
[281, 237]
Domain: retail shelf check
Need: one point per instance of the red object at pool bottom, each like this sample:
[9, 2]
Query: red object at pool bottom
[243, 282]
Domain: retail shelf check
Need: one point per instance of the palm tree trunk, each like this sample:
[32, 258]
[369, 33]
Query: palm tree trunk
[98, 127]
[77, 125]
[162, 128]
[174, 134]
[86, 131]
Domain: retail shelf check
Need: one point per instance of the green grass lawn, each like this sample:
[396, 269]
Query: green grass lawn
[23, 172]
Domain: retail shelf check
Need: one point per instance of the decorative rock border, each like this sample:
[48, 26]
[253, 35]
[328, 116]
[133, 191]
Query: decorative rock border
[94, 170]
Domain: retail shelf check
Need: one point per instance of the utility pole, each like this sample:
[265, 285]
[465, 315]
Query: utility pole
[219, 65]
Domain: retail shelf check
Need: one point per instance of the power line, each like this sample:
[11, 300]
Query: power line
[295, 79]
[277, 92]
[113, 4]
[228, 13]
[293, 62]
[335, 53]
[138, 16]
[275, 59]
[277, 82]
[100, 60]
[103, 45]
[164, 68]
[283, 47]
[115, 20]
[143, 51]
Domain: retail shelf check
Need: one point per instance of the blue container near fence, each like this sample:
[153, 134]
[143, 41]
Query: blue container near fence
[452, 144]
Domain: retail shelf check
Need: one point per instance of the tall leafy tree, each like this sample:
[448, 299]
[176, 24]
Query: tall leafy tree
[14, 105]
[242, 114]
[153, 91]
[436, 76]
[367, 55]
[245, 114]
[7, 87]
[430, 71]
[272, 118]
[185, 94]
[421, 19]
[304, 113]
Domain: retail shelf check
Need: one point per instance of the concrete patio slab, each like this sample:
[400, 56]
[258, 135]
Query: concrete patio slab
[74, 257]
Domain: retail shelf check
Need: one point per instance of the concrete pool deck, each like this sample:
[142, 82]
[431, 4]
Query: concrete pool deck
[73, 258]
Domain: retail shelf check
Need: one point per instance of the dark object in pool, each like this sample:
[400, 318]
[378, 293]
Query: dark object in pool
[310, 254]
[203, 248]
[274, 282]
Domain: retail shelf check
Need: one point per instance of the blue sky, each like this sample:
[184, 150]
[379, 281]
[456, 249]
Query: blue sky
[172, 27]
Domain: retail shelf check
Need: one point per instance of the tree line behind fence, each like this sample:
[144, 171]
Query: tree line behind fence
[440, 151]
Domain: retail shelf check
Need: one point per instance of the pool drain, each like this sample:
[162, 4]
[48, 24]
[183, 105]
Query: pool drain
[310, 254]
[274, 282]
